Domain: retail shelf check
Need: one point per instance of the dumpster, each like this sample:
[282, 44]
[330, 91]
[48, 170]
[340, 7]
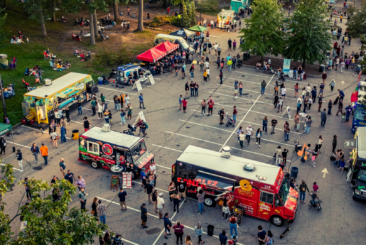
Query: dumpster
[321, 68]
[294, 172]
[75, 134]
[245, 56]
[210, 230]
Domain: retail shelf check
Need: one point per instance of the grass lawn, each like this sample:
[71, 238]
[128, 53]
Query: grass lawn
[59, 42]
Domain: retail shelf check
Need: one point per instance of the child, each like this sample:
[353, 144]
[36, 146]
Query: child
[106, 117]
[343, 117]
[110, 117]
[176, 71]
[342, 164]
[315, 188]
[313, 157]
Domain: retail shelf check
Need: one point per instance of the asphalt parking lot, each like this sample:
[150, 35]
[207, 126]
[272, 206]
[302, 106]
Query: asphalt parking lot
[171, 131]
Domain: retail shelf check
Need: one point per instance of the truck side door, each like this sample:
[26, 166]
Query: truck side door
[265, 205]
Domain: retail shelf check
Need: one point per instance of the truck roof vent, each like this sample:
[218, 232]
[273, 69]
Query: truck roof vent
[249, 167]
[106, 127]
[225, 152]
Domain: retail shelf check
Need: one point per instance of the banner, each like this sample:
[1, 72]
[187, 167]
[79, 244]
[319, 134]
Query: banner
[286, 66]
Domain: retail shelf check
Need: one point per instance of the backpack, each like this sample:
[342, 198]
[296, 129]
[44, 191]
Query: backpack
[146, 125]
[302, 159]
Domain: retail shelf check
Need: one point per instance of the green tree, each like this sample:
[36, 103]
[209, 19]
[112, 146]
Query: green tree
[2, 33]
[263, 34]
[310, 37]
[356, 26]
[208, 5]
[48, 222]
[185, 17]
[192, 13]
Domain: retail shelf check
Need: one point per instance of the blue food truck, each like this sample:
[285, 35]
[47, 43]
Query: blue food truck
[359, 117]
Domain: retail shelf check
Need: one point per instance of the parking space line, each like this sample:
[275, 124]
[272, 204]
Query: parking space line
[231, 96]
[13, 168]
[117, 90]
[19, 144]
[275, 128]
[75, 122]
[230, 106]
[30, 127]
[264, 75]
[166, 148]
[270, 115]
[259, 92]
[154, 187]
[204, 125]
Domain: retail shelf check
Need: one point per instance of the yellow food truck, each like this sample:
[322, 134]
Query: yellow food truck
[39, 104]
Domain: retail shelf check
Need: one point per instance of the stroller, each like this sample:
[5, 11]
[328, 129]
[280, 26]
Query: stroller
[132, 128]
[315, 201]
[230, 121]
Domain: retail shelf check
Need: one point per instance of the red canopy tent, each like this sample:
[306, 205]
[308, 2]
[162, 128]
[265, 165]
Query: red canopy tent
[167, 47]
[151, 55]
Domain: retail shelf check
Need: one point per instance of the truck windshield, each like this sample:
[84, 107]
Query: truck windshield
[285, 188]
[138, 151]
[360, 114]
[362, 175]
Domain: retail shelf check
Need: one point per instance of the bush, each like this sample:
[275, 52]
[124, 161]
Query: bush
[110, 58]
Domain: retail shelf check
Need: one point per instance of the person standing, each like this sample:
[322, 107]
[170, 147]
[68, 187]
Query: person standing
[223, 237]
[330, 105]
[265, 123]
[182, 189]
[94, 208]
[2, 145]
[210, 106]
[27, 188]
[222, 114]
[248, 133]
[192, 88]
[70, 177]
[149, 190]
[86, 124]
[308, 125]
[221, 75]
[201, 200]
[180, 102]
[324, 76]
[80, 182]
[284, 155]
[101, 211]
[143, 215]
[334, 143]
[179, 231]
[82, 198]
[196, 86]
[235, 113]
[44, 153]
[258, 136]
[233, 226]
[93, 104]
[297, 121]
[167, 225]
[286, 129]
[161, 203]
[229, 42]
[348, 112]
[332, 84]
[122, 199]
[303, 188]
[63, 134]
[62, 167]
[261, 235]
[175, 199]
[274, 123]
[278, 154]
[323, 117]
[184, 103]
[19, 157]
[129, 111]
[263, 86]
[35, 151]
[340, 107]
[141, 99]
[198, 230]
[320, 102]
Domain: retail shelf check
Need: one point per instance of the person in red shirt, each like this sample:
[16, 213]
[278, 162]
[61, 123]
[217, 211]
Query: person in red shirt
[235, 112]
[184, 102]
[315, 188]
[210, 106]
[168, 10]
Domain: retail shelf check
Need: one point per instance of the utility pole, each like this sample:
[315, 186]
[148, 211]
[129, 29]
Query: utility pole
[2, 97]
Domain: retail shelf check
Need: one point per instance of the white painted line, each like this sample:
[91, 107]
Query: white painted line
[214, 36]
[229, 106]
[264, 74]
[246, 114]
[251, 82]
[129, 241]
[230, 131]
[259, 92]
[75, 122]
[13, 168]
[31, 128]
[166, 148]
[117, 90]
[157, 239]
[19, 144]
[274, 116]
[270, 126]
[231, 96]
[220, 144]
[127, 207]
[162, 166]
[157, 78]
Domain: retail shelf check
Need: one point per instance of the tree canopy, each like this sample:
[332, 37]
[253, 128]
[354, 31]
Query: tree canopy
[356, 26]
[263, 34]
[309, 38]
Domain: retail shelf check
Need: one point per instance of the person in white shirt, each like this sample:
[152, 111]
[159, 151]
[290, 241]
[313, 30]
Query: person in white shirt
[280, 104]
[100, 111]
[153, 168]
[207, 64]
[212, 24]
[248, 133]
[310, 102]
[215, 47]
[283, 92]
[208, 73]
[161, 203]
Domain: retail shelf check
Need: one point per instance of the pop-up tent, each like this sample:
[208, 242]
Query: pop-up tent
[182, 33]
[198, 28]
[225, 17]
[152, 55]
[167, 47]
[4, 128]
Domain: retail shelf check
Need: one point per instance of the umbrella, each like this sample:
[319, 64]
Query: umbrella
[198, 28]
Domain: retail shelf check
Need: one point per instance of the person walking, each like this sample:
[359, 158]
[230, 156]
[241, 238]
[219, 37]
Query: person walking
[182, 189]
[179, 231]
[122, 199]
[235, 113]
[161, 205]
[303, 188]
[334, 143]
[63, 134]
[223, 237]
[27, 188]
[93, 104]
[261, 235]
[222, 115]
[278, 154]
[35, 151]
[279, 105]
[340, 107]
[330, 105]
[62, 167]
[101, 211]
[233, 226]
[167, 225]
[184, 103]
[258, 136]
[82, 198]
[221, 75]
[248, 133]
[265, 123]
[143, 215]
[86, 124]
[308, 125]
[141, 99]
[319, 145]
[201, 200]
[274, 123]
[320, 102]
[94, 208]
[19, 157]
[324, 76]
[323, 117]
[80, 182]
[199, 231]
[44, 153]
[263, 86]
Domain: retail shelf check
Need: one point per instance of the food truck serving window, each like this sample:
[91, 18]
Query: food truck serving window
[138, 150]
[266, 197]
[93, 147]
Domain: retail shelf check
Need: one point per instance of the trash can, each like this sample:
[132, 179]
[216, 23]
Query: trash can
[210, 230]
[75, 134]
[245, 56]
[100, 80]
[321, 68]
[294, 171]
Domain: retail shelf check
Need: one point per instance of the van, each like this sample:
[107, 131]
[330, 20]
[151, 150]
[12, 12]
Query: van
[183, 45]
[124, 71]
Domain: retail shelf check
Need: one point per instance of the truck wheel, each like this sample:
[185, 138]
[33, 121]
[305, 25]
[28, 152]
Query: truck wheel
[133, 175]
[210, 202]
[277, 220]
[95, 165]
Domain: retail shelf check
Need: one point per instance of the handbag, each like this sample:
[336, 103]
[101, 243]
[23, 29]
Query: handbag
[92, 212]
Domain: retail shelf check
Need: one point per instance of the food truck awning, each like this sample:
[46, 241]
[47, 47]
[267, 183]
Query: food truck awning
[152, 55]
[361, 142]
[167, 47]
[58, 85]
[4, 128]
[211, 180]
[198, 28]
[112, 137]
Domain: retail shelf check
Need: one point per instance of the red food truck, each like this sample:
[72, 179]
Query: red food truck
[106, 148]
[260, 189]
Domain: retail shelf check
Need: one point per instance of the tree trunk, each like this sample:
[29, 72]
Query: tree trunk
[165, 3]
[43, 25]
[95, 19]
[91, 25]
[303, 63]
[54, 11]
[116, 14]
[140, 26]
